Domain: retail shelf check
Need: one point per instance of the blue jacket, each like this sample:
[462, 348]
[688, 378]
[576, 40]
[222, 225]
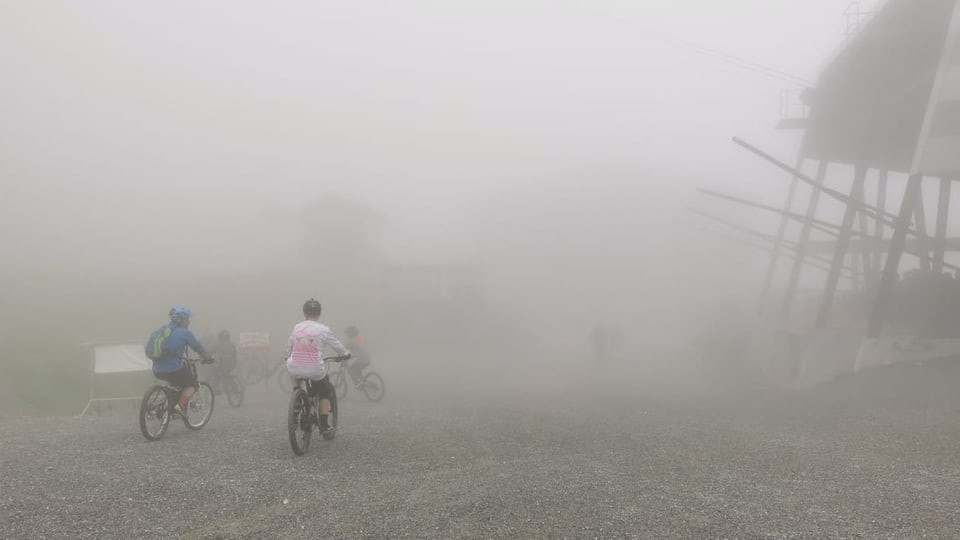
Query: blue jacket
[175, 348]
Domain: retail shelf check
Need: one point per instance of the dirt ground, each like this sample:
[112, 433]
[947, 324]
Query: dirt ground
[872, 456]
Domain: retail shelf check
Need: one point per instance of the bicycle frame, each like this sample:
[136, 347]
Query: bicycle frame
[306, 384]
[151, 410]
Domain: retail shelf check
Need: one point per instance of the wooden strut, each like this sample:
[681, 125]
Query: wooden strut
[779, 242]
[826, 227]
[840, 253]
[792, 246]
[763, 248]
[808, 220]
[888, 218]
[889, 276]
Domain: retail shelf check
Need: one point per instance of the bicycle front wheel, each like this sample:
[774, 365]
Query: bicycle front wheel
[233, 388]
[200, 407]
[373, 386]
[155, 413]
[299, 422]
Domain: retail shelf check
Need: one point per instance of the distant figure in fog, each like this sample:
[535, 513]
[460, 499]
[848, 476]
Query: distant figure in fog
[225, 351]
[360, 357]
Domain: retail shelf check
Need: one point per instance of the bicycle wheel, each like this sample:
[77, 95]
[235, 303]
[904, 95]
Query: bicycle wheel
[333, 417]
[233, 388]
[247, 374]
[200, 407]
[299, 422]
[373, 386]
[339, 381]
[155, 413]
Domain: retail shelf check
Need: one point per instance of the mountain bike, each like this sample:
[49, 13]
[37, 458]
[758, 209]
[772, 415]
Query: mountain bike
[230, 384]
[156, 408]
[234, 390]
[370, 383]
[303, 413]
[257, 373]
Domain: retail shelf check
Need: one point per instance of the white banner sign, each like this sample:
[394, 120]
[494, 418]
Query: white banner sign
[120, 358]
[253, 340]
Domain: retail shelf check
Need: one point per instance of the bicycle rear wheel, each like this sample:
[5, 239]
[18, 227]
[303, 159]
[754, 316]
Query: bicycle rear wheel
[199, 408]
[373, 386]
[233, 388]
[155, 413]
[248, 373]
[299, 422]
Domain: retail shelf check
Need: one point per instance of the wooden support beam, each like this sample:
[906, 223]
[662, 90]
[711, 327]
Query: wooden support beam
[892, 265]
[843, 242]
[943, 216]
[807, 224]
[781, 231]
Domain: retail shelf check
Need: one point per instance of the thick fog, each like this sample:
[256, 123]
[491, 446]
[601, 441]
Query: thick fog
[239, 157]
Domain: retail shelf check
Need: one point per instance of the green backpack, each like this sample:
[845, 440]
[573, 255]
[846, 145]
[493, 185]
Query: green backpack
[154, 348]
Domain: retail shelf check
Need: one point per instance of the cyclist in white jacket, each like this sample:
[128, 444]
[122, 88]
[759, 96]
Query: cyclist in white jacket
[308, 347]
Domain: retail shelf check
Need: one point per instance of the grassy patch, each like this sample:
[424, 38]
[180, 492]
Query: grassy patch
[48, 375]
[52, 376]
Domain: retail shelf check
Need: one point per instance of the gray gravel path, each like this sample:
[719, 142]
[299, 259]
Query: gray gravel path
[604, 465]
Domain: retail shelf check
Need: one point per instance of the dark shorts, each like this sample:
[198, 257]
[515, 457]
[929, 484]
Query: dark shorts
[356, 367]
[182, 378]
[224, 367]
[322, 388]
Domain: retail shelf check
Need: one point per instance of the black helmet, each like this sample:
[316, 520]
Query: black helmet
[352, 331]
[311, 308]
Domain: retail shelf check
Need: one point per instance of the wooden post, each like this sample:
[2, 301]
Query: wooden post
[943, 215]
[889, 277]
[804, 240]
[778, 244]
[843, 243]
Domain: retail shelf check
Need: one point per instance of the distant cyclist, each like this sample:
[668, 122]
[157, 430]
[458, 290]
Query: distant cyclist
[360, 358]
[167, 348]
[308, 345]
[225, 352]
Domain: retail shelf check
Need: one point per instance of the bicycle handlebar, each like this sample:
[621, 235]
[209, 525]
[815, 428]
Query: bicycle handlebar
[328, 359]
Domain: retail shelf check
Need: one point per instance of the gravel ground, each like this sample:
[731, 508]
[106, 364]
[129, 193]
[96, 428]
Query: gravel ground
[832, 463]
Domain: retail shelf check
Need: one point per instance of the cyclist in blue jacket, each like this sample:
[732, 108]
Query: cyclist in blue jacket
[167, 348]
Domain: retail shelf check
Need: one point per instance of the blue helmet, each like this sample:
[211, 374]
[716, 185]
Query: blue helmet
[179, 312]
